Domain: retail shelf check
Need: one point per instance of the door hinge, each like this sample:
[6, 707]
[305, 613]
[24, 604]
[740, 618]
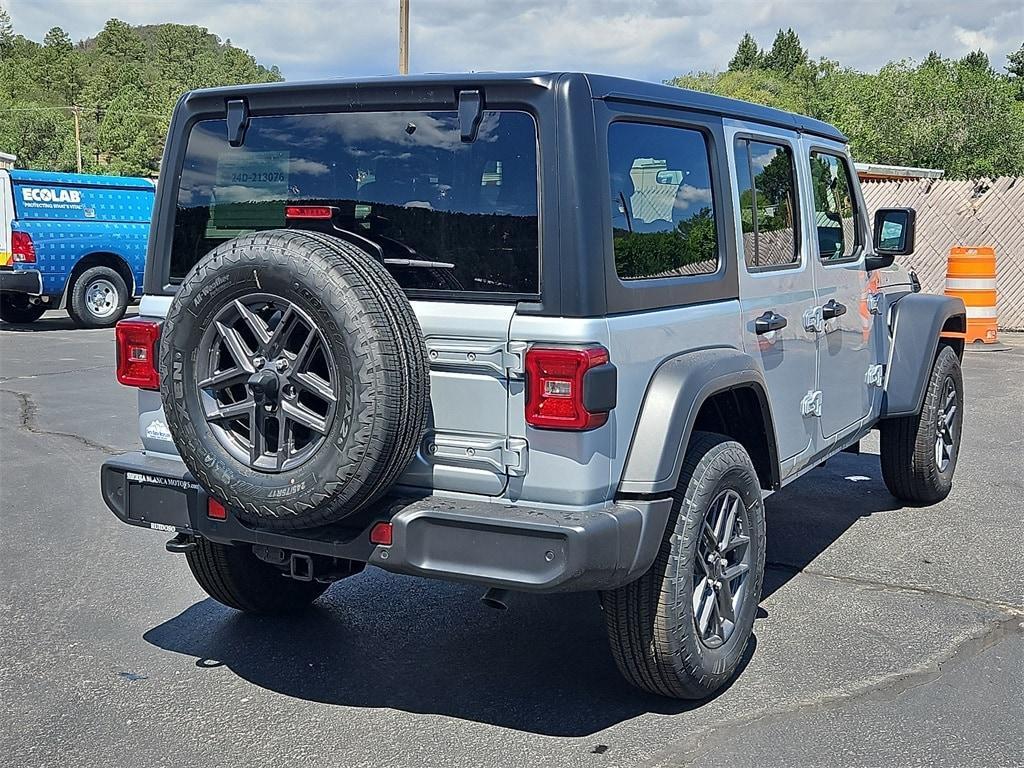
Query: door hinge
[811, 404]
[875, 375]
[874, 303]
[814, 321]
[515, 358]
[506, 358]
[498, 454]
[516, 456]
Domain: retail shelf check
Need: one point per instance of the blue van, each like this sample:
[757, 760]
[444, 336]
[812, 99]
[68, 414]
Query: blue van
[72, 241]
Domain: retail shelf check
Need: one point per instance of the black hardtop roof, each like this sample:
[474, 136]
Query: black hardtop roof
[601, 87]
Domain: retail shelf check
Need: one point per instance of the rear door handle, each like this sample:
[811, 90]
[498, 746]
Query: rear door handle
[769, 321]
[831, 309]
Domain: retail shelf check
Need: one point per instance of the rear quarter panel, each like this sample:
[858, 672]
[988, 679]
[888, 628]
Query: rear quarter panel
[584, 468]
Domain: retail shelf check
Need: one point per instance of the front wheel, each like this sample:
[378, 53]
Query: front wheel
[681, 629]
[16, 308]
[234, 576]
[98, 298]
[919, 452]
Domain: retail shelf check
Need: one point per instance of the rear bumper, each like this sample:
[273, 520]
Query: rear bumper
[28, 281]
[492, 544]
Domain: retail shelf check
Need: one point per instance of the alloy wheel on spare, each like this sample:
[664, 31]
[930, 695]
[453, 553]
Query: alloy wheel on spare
[101, 298]
[267, 382]
[945, 427]
[720, 569]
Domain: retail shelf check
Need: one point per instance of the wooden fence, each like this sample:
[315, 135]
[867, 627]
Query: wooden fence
[968, 213]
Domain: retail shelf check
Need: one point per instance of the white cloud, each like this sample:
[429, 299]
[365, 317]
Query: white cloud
[650, 39]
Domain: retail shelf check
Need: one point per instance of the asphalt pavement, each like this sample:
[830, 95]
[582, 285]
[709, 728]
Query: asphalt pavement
[887, 636]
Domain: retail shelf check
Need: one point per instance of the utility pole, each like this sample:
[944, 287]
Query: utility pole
[78, 139]
[403, 37]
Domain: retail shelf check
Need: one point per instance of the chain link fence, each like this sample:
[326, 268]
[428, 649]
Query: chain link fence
[967, 213]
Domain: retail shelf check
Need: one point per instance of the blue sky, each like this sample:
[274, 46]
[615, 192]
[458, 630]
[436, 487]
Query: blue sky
[649, 39]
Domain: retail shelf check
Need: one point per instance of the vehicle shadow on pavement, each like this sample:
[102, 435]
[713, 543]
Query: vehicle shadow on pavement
[51, 322]
[543, 666]
[381, 640]
[806, 518]
[39, 326]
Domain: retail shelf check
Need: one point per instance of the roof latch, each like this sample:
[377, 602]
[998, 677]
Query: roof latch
[237, 122]
[471, 110]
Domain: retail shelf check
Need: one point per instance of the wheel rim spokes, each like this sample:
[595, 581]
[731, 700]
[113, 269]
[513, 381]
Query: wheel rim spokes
[268, 382]
[945, 427]
[722, 562]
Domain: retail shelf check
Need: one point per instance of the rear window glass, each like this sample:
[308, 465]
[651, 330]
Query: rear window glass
[443, 214]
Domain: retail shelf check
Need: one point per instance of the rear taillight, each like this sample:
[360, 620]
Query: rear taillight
[23, 250]
[567, 388]
[136, 353]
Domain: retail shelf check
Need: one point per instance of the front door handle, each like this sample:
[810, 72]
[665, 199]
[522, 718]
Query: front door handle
[769, 321]
[832, 309]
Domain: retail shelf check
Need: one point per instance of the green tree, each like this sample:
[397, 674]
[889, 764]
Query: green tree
[977, 60]
[1015, 62]
[1015, 71]
[6, 33]
[126, 79]
[748, 55]
[958, 115]
[787, 53]
[60, 66]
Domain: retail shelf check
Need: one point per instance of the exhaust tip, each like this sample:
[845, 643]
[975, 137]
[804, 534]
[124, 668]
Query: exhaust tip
[496, 599]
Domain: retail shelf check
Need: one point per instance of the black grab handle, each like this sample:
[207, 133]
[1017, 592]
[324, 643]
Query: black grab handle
[769, 321]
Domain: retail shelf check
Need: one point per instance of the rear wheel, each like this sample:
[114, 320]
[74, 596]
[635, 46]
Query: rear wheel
[98, 299]
[919, 452]
[234, 576]
[17, 308]
[681, 629]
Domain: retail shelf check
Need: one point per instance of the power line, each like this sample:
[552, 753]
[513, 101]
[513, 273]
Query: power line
[89, 110]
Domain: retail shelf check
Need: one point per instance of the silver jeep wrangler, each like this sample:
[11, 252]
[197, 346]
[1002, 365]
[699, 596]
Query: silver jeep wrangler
[536, 332]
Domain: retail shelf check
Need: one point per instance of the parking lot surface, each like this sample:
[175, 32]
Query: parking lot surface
[886, 635]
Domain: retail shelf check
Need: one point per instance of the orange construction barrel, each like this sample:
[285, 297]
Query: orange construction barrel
[971, 276]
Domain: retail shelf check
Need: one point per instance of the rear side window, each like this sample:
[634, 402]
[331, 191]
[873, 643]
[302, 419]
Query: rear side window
[835, 215]
[443, 214]
[766, 179]
[663, 216]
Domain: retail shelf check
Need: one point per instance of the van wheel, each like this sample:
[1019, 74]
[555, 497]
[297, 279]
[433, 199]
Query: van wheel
[234, 576]
[919, 452]
[681, 629]
[98, 299]
[16, 308]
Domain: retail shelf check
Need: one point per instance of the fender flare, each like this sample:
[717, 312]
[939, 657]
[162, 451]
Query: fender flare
[677, 390]
[916, 322]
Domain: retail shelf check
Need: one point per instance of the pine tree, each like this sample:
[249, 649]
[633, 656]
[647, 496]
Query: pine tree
[748, 55]
[977, 60]
[1016, 63]
[787, 53]
[6, 32]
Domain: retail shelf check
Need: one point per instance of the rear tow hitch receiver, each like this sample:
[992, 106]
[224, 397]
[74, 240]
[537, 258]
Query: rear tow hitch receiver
[300, 567]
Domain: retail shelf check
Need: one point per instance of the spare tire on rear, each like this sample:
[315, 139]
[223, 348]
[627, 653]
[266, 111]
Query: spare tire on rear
[294, 377]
